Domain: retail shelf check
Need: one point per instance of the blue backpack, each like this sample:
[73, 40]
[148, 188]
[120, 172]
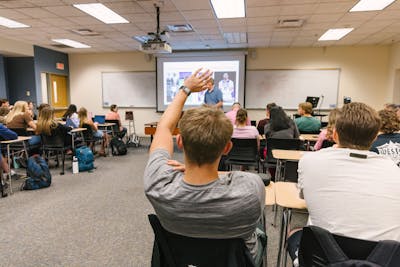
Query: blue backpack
[85, 158]
[38, 174]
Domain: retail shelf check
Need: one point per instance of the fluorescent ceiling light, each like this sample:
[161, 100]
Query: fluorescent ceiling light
[335, 34]
[9, 23]
[71, 43]
[369, 5]
[101, 12]
[228, 8]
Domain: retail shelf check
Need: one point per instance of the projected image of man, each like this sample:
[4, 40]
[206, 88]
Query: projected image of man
[213, 96]
[227, 87]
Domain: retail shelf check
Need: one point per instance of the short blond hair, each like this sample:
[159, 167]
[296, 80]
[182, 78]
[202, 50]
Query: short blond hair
[205, 132]
[307, 107]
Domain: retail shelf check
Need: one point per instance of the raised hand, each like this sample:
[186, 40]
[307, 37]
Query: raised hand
[198, 82]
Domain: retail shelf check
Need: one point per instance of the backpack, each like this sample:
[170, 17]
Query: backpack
[38, 174]
[85, 158]
[385, 253]
[118, 147]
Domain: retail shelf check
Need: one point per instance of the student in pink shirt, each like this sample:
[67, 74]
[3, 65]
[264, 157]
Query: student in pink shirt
[244, 131]
[326, 134]
[232, 114]
[113, 115]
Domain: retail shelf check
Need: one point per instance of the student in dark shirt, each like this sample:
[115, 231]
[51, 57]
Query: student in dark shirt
[262, 123]
[388, 141]
[280, 125]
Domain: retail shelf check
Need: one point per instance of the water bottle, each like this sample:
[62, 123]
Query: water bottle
[75, 166]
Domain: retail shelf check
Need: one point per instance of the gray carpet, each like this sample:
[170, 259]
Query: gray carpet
[88, 219]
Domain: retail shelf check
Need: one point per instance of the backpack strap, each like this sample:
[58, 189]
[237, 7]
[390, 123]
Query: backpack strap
[328, 244]
[386, 253]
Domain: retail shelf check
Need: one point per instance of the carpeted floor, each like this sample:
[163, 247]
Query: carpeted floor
[89, 219]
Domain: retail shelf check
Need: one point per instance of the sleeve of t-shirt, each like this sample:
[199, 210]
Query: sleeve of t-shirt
[255, 131]
[157, 173]
[7, 134]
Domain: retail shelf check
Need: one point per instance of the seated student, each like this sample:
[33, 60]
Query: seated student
[190, 203]
[20, 118]
[3, 114]
[113, 115]
[262, 123]
[5, 134]
[388, 141]
[232, 114]
[31, 109]
[97, 134]
[46, 125]
[350, 190]
[326, 134]
[280, 125]
[242, 130]
[71, 117]
[306, 123]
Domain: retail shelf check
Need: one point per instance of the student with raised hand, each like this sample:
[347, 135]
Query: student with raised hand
[113, 115]
[71, 116]
[348, 189]
[189, 203]
[307, 123]
[326, 134]
[280, 125]
[97, 134]
[388, 141]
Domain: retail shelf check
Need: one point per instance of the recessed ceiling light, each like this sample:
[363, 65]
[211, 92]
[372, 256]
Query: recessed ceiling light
[9, 23]
[71, 43]
[335, 34]
[370, 5]
[101, 12]
[229, 8]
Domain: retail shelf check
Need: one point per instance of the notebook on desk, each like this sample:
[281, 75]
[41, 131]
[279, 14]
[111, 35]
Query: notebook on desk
[100, 119]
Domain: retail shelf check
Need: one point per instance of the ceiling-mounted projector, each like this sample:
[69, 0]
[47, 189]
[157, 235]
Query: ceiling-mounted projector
[156, 48]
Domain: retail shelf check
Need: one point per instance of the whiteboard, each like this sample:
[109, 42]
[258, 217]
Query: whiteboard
[129, 89]
[288, 88]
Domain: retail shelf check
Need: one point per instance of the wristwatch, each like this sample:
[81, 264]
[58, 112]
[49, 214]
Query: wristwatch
[185, 89]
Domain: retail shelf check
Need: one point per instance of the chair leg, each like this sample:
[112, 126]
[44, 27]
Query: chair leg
[63, 162]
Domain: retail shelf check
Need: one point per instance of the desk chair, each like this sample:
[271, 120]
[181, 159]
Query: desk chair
[55, 142]
[244, 153]
[318, 248]
[116, 127]
[327, 143]
[173, 250]
[31, 149]
[279, 143]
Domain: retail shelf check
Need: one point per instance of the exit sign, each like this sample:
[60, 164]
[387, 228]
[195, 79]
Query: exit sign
[60, 66]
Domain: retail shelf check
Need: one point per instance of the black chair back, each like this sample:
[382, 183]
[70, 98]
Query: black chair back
[310, 132]
[319, 248]
[173, 250]
[88, 134]
[20, 131]
[115, 127]
[244, 152]
[327, 143]
[290, 171]
[55, 140]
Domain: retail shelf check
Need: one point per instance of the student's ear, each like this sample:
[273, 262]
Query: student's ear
[227, 148]
[335, 136]
[179, 142]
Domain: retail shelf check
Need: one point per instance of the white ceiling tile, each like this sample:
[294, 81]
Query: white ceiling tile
[268, 11]
[13, 14]
[198, 14]
[40, 3]
[67, 11]
[333, 7]
[182, 5]
[334, 17]
[16, 4]
[37, 12]
[298, 9]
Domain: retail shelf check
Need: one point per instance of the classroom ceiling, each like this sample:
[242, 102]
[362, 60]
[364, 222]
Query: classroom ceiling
[51, 19]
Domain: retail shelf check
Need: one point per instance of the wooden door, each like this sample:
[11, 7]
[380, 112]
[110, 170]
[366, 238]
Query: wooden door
[58, 94]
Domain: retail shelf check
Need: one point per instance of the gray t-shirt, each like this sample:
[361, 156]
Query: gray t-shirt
[228, 207]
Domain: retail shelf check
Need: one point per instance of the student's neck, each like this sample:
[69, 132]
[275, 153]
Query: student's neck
[241, 124]
[205, 174]
[307, 115]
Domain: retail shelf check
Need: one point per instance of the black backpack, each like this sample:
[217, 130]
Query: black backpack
[118, 147]
[318, 247]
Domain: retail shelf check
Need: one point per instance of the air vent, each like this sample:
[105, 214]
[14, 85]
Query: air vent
[180, 28]
[60, 46]
[290, 23]
[86, 32]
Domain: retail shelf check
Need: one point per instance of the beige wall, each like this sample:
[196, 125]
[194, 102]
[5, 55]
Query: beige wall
[364, 73]
[394, 68]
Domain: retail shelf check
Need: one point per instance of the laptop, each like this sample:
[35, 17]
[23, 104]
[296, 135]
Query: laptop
[100, 119]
